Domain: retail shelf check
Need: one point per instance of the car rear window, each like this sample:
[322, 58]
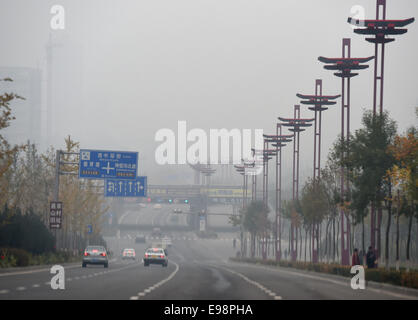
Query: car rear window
[155, 250]
[95, 248]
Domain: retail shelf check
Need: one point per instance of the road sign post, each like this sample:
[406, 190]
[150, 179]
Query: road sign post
[105, 164]
[55, 215]
[126, 188]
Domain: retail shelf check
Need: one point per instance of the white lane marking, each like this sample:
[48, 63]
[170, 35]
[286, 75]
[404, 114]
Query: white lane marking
[32, 271]
[123, 216]
[342, 283]
[4, 291]
[48, 283]
[20, 288]
[36, 286]
[158, 284]
[255, 283]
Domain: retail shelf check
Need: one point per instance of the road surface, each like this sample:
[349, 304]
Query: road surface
[198, 269]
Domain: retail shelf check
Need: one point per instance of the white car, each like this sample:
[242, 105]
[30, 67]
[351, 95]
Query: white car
[155, 256]
[166, 241]
[128, 254]
[157, 206]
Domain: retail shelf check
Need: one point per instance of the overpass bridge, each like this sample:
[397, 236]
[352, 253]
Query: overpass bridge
[214, 193]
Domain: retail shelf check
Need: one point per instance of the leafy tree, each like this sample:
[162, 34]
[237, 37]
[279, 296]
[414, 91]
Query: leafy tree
[255, 221]
[7, 152]
[368, 161]
[314, 205]
[404, 174]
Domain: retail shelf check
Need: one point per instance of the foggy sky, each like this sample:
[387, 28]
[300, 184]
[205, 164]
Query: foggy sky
[124, 69]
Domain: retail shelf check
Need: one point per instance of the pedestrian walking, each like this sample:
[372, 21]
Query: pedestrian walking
[371, 258]
[355, 260]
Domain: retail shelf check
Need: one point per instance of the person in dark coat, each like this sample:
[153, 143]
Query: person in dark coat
[371, 258]
[361, 256]
[355, 260]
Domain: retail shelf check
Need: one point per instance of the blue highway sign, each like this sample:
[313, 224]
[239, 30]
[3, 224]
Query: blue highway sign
[102, 164]
[126, 188]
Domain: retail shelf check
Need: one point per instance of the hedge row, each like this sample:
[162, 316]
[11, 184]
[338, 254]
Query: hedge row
[14, 257]
[399, 278]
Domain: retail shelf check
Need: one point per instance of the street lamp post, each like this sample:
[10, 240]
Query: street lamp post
[296, 125]
[317, 103]
[279, 141]
[344, 66]
[379, 29]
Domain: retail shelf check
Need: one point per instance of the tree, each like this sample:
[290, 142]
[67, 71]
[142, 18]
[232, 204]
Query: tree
[368, 161]
[315, 206]
[404, 174]
[255, 221]
[7, 152]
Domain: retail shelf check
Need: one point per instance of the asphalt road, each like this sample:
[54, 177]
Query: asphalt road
[198, 270]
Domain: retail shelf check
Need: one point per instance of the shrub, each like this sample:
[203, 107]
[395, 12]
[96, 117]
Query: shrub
[24, 231]
[15, 257]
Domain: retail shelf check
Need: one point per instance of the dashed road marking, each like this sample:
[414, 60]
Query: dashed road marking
[254, 283]
[158, 284]
[4, 291]
[7, 274]
[20, 288]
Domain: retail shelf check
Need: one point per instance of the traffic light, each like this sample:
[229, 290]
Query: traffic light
[149, 199]
[186, 201]
[170, 200]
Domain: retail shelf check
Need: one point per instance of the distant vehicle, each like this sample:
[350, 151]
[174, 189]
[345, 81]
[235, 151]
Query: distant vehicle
[155, 256]
[95, 255]
[140, 239]
[166, 241]
[160, 245]
[207, 234]
[157, 206]
[142, 205]
[177, 210]
[174, 218]
[156, 232]
[128, 254]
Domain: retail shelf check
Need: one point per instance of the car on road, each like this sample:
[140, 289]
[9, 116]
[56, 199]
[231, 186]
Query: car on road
[142, 205]
[177, 210]
[156, 232]
[140, 239]
[174, 219]
[128, 254]
[155, 256]
[166, 241]
[95, 255]
[157, 206]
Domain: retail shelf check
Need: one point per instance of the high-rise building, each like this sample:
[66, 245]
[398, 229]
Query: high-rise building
[28, 123]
